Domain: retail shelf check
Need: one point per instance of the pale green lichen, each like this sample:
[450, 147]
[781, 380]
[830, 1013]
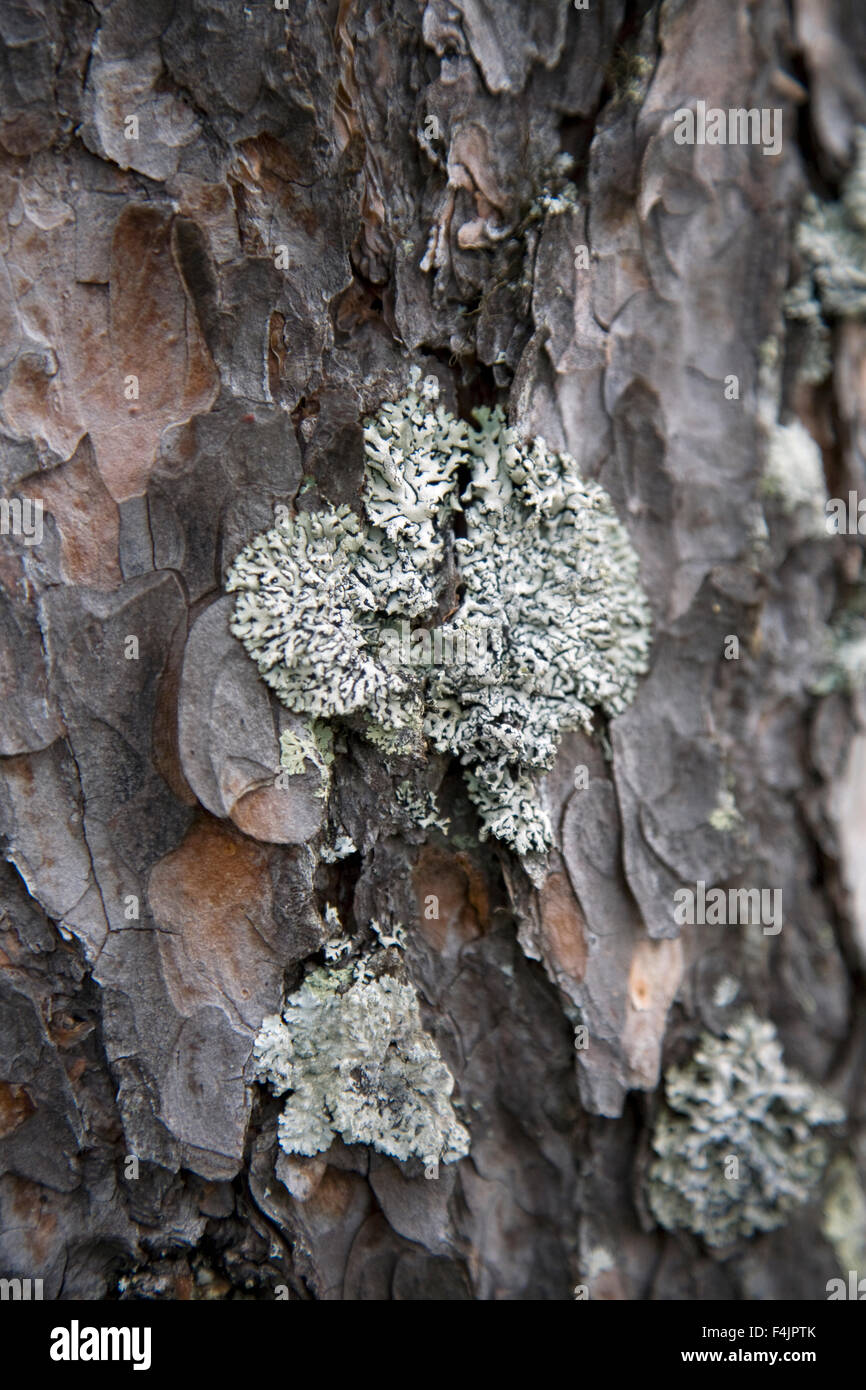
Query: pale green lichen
[832, 240]
[725, 817]
[548, 203]
[848, 661]
[794, 473]
[342, 847]
[844, 1215]
[406, 741]
[420, 806]
[352, 1058]
[725, 992]
[550, 581]
[315, 592]
[802, 306]
[308, 742]
[736, 1099]
[549, 570]
[631, 74]
[842, 659]
[338, 945]
[395, 935]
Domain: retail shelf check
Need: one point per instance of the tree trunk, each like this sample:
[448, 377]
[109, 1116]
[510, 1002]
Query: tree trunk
[230, 232]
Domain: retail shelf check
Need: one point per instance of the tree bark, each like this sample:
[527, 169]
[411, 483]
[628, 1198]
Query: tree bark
[229, 233]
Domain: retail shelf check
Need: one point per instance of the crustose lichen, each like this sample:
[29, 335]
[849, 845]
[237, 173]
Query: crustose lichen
[552, 610]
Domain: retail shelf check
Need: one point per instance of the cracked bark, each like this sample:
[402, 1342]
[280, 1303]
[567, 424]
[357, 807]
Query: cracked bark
[165, 384]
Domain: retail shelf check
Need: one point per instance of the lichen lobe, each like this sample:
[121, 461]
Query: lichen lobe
[352, 1058]
[342, 612]
[739, 1144]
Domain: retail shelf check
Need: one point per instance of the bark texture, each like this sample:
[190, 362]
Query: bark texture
[229, 231]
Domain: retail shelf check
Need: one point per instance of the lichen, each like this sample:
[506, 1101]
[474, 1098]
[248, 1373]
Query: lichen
[629, 75]
[737, 1100]
[794, 473]
[420, 806]
[548, 202]
[342, 847]
[844, 1214]
[832, 240]
[395, 935]
[841, 661]
[352, 1058]
[725, 816]
[313, 742]
[316, 591]
[725, 992]
[549, 570]
[803, 307]
[550, 594]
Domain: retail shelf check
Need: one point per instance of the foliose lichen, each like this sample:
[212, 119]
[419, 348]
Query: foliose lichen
[841, 659]
[802, 306]
[352, 1058]
[551, 577]
[316, 591]
[342, 847]
[832, 240]
[725, 816]
[552, 624]
[736, 1099]
[794, 473]
[844, 1215]
[420, 807]
[310, 742]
